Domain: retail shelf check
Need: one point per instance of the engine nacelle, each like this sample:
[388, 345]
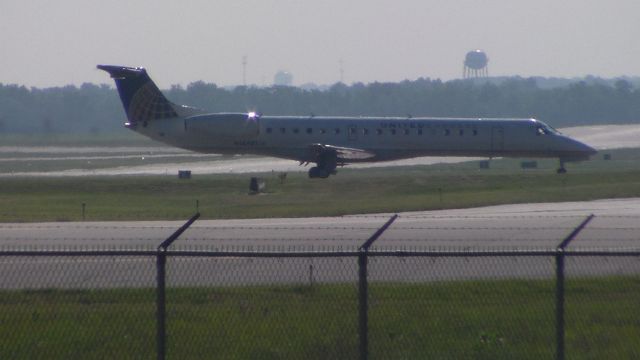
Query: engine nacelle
[232, 125]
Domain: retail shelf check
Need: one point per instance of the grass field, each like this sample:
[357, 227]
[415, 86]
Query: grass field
[352, 191]
[506, 319]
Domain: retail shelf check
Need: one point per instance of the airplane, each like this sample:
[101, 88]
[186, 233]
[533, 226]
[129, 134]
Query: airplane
[332, 141]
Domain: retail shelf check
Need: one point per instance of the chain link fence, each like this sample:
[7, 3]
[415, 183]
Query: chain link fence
[362, 303]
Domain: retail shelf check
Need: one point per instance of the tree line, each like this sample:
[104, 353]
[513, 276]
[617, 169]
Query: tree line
[94, 109]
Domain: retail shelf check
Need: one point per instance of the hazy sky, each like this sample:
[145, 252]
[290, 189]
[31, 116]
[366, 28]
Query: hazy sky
[54, 43]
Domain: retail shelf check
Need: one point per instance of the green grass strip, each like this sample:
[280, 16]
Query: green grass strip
[352, 191]
[500, 319]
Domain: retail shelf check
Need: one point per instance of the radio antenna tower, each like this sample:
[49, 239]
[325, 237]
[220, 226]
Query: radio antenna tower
[244, 70]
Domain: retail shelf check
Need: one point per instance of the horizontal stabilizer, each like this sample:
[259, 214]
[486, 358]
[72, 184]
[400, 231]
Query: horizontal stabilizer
[122, 72]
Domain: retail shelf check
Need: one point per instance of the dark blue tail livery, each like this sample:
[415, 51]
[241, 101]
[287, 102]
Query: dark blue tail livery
[141, 98]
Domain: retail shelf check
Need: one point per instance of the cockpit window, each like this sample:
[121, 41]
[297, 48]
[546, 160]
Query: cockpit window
[544, 129]
[551, 129]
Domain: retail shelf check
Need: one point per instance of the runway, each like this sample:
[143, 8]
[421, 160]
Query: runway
[159, 160]
[507, 227]
[518, 226]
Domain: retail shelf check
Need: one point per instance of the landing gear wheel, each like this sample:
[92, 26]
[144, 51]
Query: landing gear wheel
[561, 170]
[316, 172]
[327, 160]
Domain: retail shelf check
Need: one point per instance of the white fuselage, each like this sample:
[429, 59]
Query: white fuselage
[386, 138]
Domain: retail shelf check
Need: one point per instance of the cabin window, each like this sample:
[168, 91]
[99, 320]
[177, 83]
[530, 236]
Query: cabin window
[296, 130]
[352, 131]
[419, 131]
[379, 131]
[406, 131]
[447, 132]
[323, 131]
[309, 130]
[541, 131]
[269, 130]
[475, 132]
[461, 132]
[393, 131]
[283, 130]
[337, 131]
[365, 131]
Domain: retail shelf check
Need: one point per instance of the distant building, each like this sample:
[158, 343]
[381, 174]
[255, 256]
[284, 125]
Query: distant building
[283, 78]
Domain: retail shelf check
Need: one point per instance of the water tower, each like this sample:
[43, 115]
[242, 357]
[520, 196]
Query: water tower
[475, 64]
[283, 78]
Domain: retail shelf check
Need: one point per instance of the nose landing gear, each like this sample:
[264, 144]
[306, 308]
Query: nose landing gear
[561, 169]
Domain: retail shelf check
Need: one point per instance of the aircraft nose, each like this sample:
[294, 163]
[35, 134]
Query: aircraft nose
[582, 149]
[591, 151]
[586, 149]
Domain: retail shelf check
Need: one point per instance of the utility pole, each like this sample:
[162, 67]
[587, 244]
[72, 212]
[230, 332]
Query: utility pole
[244, 70]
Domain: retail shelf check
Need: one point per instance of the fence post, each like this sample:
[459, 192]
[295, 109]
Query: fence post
[560, 304]
[363, 290]
[363, 306]
[560, 286]
[161, 263]
[161, 335]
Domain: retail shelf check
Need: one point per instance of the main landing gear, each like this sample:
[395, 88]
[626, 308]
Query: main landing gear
[318, 172]
[327, 163]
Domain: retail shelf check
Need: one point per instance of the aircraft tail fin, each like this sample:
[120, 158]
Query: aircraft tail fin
[141, 98]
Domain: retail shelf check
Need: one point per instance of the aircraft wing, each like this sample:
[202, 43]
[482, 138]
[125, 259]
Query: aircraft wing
[343, 154]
